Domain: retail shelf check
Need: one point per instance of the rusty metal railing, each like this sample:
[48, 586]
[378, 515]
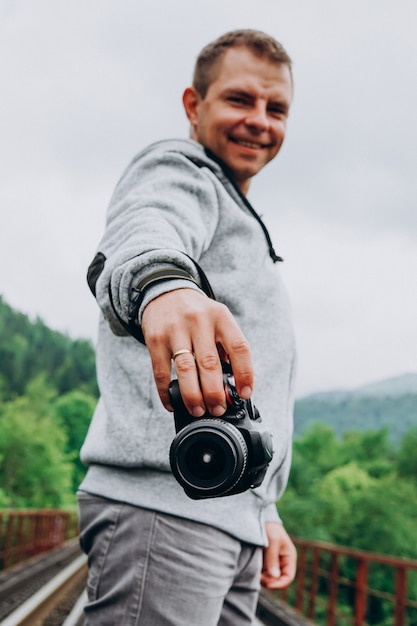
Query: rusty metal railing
[336, 585]
[26, 533]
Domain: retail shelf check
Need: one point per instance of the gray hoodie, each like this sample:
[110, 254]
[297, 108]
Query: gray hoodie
[174, 203]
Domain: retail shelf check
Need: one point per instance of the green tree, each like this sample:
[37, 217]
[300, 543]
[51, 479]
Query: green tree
[34, 467]
[349, 491]
[74, 411]
[384, 518]
[407, 458]
[371, 449]
[339, 493]
[314, 454]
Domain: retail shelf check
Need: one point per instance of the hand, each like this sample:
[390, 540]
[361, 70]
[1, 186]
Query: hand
[280, 558]
[186, 319]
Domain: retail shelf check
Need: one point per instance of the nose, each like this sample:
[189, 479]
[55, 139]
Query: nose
[258, 117]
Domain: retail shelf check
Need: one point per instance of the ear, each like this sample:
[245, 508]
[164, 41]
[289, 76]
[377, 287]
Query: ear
[191, 100]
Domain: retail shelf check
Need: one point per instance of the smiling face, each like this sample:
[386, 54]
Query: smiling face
[242, 119]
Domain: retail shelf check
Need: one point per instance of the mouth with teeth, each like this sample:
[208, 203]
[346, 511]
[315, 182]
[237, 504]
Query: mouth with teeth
[249, 144]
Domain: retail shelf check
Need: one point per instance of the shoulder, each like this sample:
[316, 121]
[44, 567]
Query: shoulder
[169, 168]
[176, 152]
[186, 147]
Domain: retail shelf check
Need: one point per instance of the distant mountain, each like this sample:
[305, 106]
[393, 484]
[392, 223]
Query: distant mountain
[395, 386]
[390, 403]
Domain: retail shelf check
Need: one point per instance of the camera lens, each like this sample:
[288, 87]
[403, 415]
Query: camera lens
[208, 456]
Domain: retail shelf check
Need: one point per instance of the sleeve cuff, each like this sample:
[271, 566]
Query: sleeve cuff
[168, 285]
[270, 514]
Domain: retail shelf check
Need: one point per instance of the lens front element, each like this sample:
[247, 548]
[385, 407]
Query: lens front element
[209, 456]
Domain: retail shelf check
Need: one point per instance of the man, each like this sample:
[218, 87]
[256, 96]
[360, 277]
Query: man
[157, 557]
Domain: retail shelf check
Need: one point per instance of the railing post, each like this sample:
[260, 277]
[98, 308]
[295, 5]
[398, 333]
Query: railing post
[360, 591]
[49, 530]
[2, 543]
[37, 533]
[333, 589]
[8, 550]
[400, 596]
[19, 549]
[314, 583]
[301, 567]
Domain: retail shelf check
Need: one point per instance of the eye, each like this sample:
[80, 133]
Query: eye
[278, 110]
[237, 100]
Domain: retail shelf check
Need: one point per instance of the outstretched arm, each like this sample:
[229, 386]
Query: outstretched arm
[280, 558]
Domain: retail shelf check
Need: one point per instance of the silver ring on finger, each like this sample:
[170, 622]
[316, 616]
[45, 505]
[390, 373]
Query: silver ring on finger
[184, 351]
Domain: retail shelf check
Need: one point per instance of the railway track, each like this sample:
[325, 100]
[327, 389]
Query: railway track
[45, 591]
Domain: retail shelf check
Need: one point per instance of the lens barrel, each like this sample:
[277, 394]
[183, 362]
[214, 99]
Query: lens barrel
[208, 457]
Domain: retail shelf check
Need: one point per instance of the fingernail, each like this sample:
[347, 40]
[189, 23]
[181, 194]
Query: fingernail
[197, 411]
[218, 410]
[245, 392]
[275, 572]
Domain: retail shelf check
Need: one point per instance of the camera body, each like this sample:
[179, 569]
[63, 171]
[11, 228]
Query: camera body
[213, 457]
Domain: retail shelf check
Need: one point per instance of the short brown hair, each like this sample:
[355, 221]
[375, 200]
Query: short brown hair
[261, 44]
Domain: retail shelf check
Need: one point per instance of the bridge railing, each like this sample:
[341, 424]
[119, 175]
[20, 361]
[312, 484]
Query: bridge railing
[336, 585]
[26, 533]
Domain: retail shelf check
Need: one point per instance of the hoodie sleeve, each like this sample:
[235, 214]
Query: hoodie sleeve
[164, 212]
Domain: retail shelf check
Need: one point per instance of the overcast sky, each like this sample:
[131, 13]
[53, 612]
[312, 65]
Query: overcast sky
[88, 83]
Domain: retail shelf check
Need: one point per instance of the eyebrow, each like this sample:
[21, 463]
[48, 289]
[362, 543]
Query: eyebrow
[237, 92]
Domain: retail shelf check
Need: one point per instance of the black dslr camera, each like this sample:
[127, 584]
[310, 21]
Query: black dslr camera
[212, 457]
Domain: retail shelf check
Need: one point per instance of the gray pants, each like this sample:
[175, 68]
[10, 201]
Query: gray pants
[152, 569]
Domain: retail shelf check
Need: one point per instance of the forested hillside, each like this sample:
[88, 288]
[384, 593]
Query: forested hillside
[391, 403]
[29, 349]
[354, 410]
[48, 391]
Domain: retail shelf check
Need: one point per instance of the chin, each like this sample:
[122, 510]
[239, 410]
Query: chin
[246, 174]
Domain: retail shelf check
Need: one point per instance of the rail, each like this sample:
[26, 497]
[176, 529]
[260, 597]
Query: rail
[50, 602]
[336, 585]
[27, 533]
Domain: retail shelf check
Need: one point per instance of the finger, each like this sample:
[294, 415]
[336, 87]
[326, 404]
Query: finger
[242, 367]
[210, 373]
[236, 346]
[161, 365]
[271, 582]
[276, 576]
[288, 568]
[188, 381]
